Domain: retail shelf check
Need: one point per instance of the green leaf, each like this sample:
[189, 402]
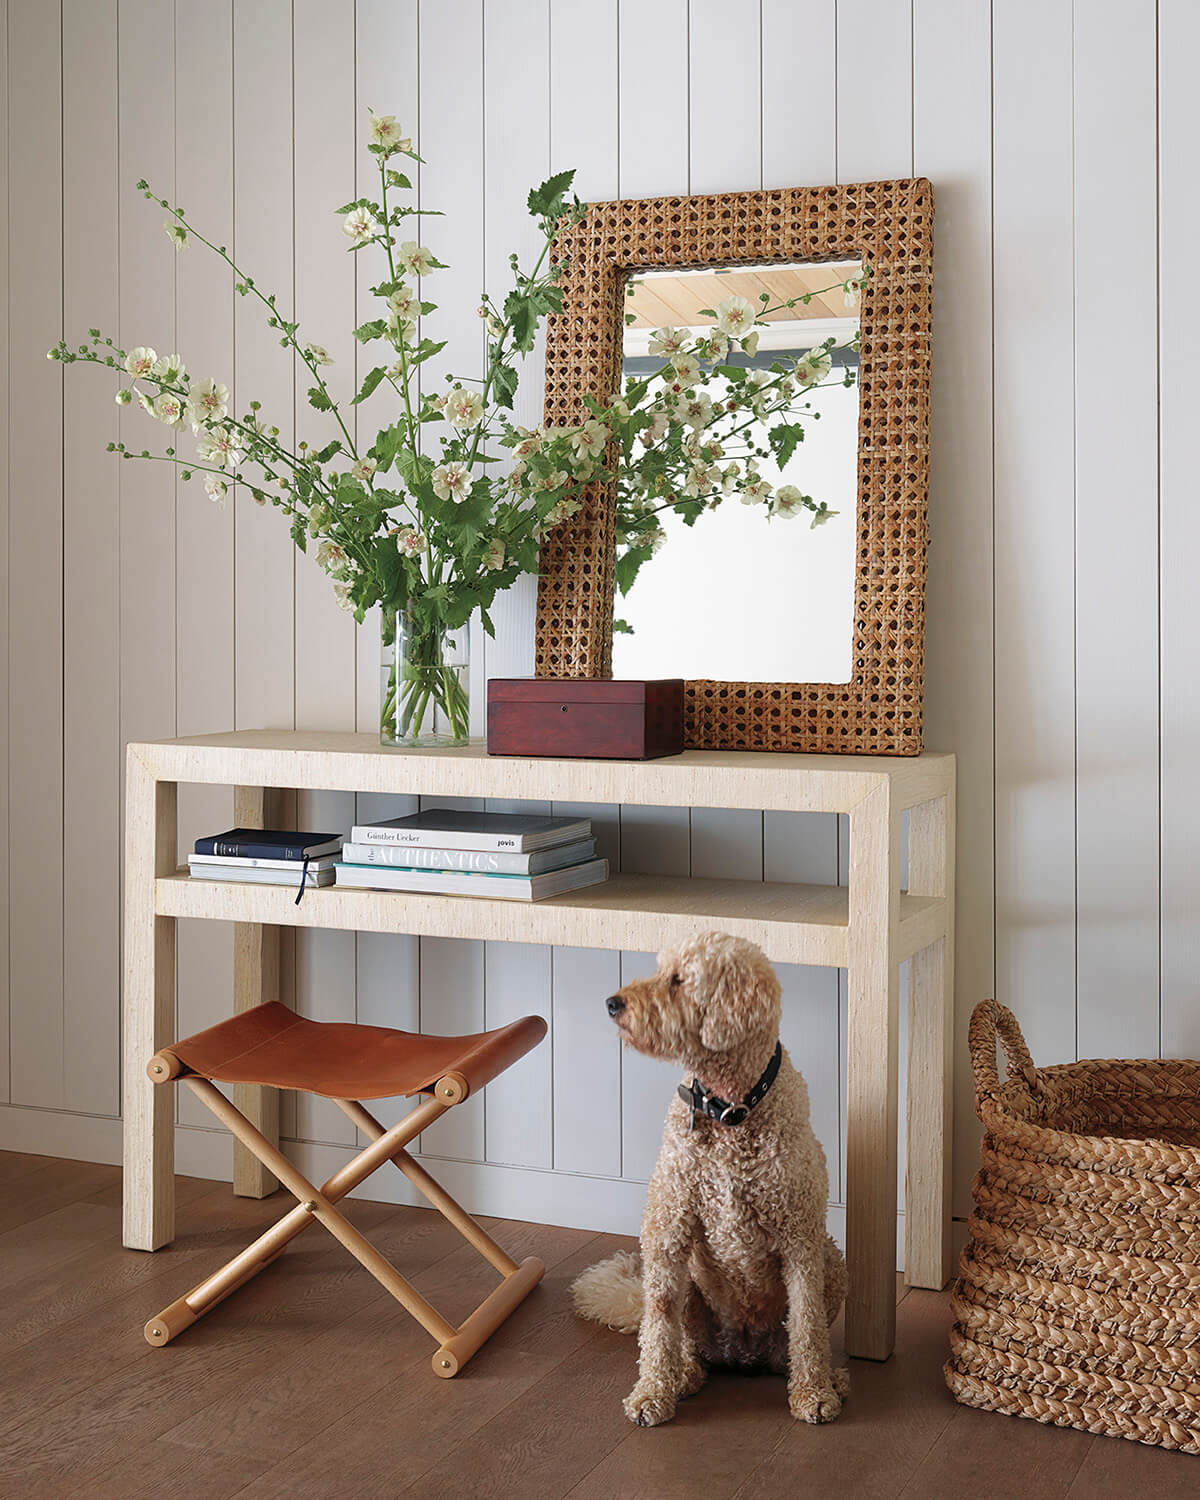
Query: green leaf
[375, 329]
[628, 566]
[504, 385]
[547, 201]
[328, 451]
[708, 312]
[736, 373]
[370, 381]
[622, 627]
[784, 441]
[318, 399]
[397, 179]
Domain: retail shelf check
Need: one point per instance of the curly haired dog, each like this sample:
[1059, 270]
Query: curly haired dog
[737, 1270]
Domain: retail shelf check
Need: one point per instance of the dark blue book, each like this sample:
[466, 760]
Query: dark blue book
[270, 843]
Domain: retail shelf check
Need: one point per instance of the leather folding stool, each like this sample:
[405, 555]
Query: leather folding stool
[271, 1045]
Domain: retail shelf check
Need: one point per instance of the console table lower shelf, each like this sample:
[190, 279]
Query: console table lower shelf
[868, 927]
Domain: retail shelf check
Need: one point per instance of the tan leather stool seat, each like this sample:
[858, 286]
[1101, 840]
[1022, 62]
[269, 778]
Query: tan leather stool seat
[273, 1045]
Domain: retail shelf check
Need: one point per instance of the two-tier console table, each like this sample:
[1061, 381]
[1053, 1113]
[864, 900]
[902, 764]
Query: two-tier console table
[868, 927]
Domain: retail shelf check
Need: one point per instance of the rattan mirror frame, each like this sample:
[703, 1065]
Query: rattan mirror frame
[888, 224]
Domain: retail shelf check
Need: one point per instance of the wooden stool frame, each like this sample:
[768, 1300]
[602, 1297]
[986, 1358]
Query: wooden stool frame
[455, 1345]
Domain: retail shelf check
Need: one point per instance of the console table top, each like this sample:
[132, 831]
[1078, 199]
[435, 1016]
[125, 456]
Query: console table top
[339, 761]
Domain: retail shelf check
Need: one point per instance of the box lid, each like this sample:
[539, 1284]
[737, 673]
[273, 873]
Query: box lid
[579, 689]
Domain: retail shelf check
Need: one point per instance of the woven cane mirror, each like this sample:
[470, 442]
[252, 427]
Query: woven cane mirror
[741, 593]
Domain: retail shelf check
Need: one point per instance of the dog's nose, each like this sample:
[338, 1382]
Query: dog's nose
[614, 1005]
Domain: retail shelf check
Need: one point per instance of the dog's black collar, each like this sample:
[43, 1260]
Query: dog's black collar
[700, 1101]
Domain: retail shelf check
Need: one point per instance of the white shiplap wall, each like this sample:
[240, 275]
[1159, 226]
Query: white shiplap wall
[1062, 655]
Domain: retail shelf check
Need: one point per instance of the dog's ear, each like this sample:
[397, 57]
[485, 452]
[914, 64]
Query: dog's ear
[736, 1000]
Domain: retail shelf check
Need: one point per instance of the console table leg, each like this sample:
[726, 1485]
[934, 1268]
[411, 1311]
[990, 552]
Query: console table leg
[256, 979]
[927, 1254]
[149, 1011]
[871, 1126]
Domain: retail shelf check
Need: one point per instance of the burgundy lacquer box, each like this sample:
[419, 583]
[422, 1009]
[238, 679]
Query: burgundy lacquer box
[600, 719]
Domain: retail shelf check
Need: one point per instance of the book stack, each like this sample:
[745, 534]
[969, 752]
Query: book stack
[267, 856]
[509, 856]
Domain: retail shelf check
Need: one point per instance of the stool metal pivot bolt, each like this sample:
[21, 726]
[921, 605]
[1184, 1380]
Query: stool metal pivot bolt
[271, 1045]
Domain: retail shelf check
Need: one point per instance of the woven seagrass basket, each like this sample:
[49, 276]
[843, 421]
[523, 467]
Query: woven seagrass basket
[1078, 1295]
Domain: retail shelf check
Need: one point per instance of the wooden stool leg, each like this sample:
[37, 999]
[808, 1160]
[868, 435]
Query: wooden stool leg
[487, 1317]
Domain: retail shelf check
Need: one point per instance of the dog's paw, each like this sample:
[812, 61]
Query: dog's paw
[841, 1380]
[814, 1403]
[649, 1406]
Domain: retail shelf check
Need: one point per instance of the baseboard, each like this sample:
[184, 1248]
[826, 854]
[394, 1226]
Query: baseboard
[605, 1204]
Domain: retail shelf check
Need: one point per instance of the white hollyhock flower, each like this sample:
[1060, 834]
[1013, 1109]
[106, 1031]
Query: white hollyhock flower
[517, 478]
[387, 133]
[218, 447]
[140, 361]
[215, 489]
[146, 403]
[656, 430]
[415, 259]
[170, 369]
[735, 316]
[176, 233]
[716, 346]
[341, 592]
[750, 343]
[208, 401]
[403, 302]
[494, 556]
[363, 469]
[821, 517]
[814, 367]
[851, 292]
[730, 476]
[559, 513]
[755, 491]
[788, 502]
[555, 480]
[331, 557]
[410, 541]
[667, 341]
[530, 442]
[687, 371]
[589, 441]
[701, 478]
[169, 409]
[463, 408]
[358, 225]
[696, 410]
[452, 481]
[318, 354]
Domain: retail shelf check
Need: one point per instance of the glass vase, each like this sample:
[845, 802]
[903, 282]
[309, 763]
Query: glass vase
[424, 685]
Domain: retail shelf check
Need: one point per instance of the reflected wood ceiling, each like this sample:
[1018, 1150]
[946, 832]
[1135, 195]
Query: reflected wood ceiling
[675, 300]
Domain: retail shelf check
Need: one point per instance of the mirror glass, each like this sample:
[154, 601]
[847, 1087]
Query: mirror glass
[744, 589]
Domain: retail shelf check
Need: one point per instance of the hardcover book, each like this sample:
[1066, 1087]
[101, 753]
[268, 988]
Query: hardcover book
[451, 828]
[471, 883]
[485, 861]
[270, 843]
[262, 875]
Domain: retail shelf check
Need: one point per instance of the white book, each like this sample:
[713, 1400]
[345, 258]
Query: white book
[485, 861]
[289, 876]
[469, 883]
[451, 828]
[227, 861]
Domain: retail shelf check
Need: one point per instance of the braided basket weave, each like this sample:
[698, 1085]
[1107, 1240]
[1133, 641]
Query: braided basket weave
[1078, 1296]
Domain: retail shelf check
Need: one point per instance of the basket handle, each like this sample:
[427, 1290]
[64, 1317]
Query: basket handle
[993, 1025]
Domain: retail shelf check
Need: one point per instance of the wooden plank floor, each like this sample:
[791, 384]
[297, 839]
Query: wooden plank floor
[312, 1383]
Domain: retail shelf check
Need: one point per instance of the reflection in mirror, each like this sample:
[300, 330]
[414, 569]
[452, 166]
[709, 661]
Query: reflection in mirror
[761, 590]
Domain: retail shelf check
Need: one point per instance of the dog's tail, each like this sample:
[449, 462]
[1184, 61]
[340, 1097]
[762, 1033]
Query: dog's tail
[610, 1292]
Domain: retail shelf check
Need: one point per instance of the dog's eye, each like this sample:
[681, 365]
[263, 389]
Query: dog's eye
[675, 981]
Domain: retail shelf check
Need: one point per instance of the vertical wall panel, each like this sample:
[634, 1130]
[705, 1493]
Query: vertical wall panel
[874, 90]
[35, 559]
[388, 966]
[1116, 593]
[325, 271]
[204, 571]
[724, 95]
[653, 78]
[1035, 542]
[92, 761]
[584, 135]
[263, 208]
[1179, 229]
[5, 305]
[952, 146]
[799, 146]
